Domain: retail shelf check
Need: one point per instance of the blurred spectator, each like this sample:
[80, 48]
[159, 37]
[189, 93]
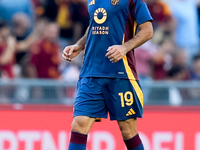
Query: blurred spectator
[9, 7]
[153, 61]
[24, 43]
[73, 20]
[144, 63]
[179, 57]
[46, 8]
[70, 72]
[198, 9]
[7, 49]
[44, 63]
[21, 24]
[45, 54]
[163, 22]
[20, 29]
[159, 11]
[23, 46]
[187, 31]
[80, 18]
[171, 94]
[177, 73]
[195, 75]
[144, 55]
[177, 95]
[65, 23]
[195, 71]
[35, 3]
[162, 60]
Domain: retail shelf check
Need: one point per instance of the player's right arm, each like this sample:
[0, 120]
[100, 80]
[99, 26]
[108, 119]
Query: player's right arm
[73, 50]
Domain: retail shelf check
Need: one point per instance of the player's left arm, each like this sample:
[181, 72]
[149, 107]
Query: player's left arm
[117, 52]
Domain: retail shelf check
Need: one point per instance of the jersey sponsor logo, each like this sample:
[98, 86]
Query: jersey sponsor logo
[114, 2]
[100, 30]
[130, 112]
[92, 2]
[100, 15]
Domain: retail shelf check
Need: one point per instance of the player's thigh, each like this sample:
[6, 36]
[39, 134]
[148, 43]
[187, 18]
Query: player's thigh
[82, 124]
[128, 128]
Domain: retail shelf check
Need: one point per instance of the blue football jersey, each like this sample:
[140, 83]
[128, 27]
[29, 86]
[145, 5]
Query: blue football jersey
[112, 22]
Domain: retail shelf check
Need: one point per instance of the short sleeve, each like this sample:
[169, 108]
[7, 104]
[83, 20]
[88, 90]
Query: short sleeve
[141, 12]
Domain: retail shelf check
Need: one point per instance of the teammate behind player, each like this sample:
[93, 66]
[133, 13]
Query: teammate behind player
[108, 78]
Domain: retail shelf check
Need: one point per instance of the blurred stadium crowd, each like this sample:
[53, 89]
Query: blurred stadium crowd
[33, 34]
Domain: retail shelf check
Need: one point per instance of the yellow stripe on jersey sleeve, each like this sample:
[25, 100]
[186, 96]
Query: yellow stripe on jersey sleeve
[132, 78]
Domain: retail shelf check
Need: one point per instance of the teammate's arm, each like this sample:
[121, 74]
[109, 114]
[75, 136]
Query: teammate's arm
[117, 52]
[73, 50]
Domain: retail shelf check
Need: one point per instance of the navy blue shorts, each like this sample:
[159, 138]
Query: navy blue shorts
[122, 98]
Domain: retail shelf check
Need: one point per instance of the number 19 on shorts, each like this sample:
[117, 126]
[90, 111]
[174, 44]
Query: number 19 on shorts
[126, 98]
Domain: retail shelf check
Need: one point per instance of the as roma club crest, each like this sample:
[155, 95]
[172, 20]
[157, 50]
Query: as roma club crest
[114, 2]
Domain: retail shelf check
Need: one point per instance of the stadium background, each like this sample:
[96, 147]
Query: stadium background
[36, 97]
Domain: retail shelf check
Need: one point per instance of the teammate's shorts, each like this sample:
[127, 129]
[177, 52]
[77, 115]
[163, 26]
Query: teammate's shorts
[122, 98]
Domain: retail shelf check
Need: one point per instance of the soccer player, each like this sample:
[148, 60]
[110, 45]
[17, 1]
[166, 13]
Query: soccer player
[108, 79]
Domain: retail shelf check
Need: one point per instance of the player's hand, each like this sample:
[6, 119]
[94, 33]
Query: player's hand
[116, 53]
[70, 52]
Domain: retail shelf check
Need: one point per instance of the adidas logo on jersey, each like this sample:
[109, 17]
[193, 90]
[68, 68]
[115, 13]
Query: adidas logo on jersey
[92, 2]
[130, 112]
